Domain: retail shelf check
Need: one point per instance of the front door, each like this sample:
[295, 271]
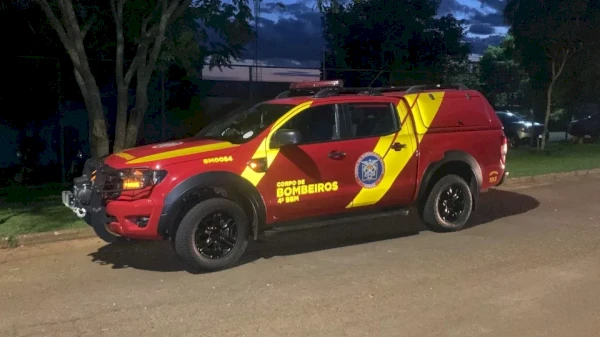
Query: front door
[314, 178]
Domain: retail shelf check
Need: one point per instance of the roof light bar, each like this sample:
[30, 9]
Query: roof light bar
[317, 84]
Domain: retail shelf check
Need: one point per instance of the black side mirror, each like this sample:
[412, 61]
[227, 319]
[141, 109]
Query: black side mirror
[285, 137]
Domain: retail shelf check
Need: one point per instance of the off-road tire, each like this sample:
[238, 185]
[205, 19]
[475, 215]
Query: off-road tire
[185, 245]
[431, 215]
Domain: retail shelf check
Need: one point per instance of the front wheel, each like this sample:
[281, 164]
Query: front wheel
[213, 235]
[449, 205]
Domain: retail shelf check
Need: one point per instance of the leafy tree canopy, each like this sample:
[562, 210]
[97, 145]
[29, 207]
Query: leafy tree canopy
[503, 80]
[398, 36]
[550, 33]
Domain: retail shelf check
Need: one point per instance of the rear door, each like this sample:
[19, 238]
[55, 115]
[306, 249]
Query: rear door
[382, 152]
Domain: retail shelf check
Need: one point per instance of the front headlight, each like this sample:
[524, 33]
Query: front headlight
[136, 179]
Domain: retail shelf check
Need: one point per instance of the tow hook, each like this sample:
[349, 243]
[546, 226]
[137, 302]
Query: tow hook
[80, 212]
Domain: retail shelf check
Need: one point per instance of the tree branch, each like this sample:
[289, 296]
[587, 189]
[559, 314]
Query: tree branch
[117, 11]
[562, 65]
[169, 12]
[72, 27]
[54, 23]
[87, 27]
[147, 20]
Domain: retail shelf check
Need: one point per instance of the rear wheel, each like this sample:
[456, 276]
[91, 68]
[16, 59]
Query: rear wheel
[449, 205]
[213, 235]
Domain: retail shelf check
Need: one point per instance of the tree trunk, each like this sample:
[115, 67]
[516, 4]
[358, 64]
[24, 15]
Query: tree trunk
[548, 111]
[137, 115]
[99, 142]
[121, 122]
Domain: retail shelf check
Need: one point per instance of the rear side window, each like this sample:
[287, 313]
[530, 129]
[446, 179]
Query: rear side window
[371, 119]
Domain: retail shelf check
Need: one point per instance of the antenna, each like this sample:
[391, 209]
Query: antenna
[376, 77]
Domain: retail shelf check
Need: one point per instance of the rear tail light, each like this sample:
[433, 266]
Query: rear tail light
[503, 151]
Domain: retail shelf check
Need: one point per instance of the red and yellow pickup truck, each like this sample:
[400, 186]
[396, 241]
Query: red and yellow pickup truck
[319, 153]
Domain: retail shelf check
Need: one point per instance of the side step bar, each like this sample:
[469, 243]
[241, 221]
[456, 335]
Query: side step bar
[330, 222]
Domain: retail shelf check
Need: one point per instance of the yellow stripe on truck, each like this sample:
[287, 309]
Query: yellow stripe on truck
[249, 174]
[125, 155]
[183, 152]
[424, 110]
[270, 154]
[396, 161]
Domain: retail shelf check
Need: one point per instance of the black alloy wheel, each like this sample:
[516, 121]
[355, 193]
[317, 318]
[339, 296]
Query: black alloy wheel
[213, 235]
[216, 235]
[451, 203]
[448, 205]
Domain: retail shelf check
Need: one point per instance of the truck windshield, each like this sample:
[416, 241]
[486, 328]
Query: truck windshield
[242, 126]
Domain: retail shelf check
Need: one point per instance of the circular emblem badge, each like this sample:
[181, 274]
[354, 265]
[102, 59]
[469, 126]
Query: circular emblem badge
[160, 146]
[369, 170]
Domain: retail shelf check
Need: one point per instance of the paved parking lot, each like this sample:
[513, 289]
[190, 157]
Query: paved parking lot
[529, 266]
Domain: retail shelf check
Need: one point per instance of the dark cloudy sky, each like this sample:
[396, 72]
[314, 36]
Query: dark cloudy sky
[292, 37]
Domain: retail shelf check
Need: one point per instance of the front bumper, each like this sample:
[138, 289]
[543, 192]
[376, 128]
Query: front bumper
[136, 219]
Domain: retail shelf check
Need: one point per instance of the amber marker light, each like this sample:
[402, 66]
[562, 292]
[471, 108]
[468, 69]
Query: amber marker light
[134, 181]
[258, 165]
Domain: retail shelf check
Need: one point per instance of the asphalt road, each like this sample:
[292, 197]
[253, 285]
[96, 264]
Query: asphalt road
[529, 266]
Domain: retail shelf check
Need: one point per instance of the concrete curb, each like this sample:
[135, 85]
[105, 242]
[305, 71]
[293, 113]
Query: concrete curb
[549, 178]
[86, 233]
[46, 237]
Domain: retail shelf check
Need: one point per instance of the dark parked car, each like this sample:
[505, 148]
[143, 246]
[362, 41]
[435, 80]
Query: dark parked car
[518, 130]
[586, 126]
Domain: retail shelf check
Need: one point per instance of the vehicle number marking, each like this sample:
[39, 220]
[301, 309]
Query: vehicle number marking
[213, 160]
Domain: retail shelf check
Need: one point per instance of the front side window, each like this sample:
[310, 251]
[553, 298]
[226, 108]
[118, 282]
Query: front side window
[372, 119]
[242, 126]
[316, 124]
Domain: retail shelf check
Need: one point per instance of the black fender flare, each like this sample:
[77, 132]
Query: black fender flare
[452, 156]
[176, 199]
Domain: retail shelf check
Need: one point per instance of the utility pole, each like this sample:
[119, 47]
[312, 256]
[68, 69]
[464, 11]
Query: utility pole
[162, 106]
[324, 69]
[257, 69]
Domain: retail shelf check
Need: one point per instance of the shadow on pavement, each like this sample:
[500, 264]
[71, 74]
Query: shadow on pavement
[159, 256]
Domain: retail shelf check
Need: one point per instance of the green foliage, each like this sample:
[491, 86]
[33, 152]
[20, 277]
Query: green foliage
[186, 42]
[395, 36]
[503, 80]
[549, 35]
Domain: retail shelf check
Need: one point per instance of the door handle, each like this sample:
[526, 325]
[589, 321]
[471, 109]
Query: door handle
[398, 146]
[336, 154]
